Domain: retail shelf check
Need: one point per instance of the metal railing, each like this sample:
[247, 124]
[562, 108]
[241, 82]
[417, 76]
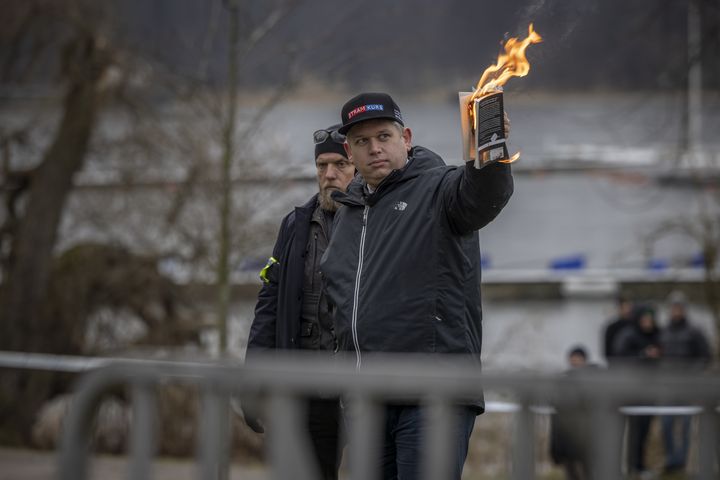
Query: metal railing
[284, 381]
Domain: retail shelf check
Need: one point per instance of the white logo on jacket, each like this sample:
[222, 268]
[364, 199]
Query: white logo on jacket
[399, 206]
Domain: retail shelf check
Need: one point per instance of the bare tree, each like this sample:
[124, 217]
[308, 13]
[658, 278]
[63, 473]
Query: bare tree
[93, 69]
[171, 157]
[85, 60]
[60, 41]
[248, 42]
[703, 229]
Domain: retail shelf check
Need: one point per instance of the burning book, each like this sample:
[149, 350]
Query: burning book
[482, 110]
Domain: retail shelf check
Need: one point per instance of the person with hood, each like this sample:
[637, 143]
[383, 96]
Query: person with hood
[403, 266]
[685, 348]
[639, 349]
[292, 311]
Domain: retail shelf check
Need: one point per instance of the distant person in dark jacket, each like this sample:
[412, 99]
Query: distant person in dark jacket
[638, 348]
[685, 348]
[571, 427]
[292, 311]
[403, 266]
[623, 320]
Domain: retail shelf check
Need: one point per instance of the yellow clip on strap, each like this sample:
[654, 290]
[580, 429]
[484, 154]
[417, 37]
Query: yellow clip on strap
[263, 273]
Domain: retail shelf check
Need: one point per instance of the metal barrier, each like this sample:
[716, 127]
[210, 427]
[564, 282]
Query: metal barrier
[286, 380]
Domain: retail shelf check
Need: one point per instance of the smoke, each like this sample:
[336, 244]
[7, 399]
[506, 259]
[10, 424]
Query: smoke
[532, 9]
[580, 11]
[563, 16]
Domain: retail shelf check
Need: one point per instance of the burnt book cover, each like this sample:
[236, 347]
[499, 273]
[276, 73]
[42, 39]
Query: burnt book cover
[490, 137]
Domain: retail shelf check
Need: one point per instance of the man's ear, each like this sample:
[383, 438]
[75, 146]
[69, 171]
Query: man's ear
[349, 157]
[348, 153]
[407, 138]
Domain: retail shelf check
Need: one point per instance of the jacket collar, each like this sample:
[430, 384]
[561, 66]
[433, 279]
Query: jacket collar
[310, 204]
[303, 213]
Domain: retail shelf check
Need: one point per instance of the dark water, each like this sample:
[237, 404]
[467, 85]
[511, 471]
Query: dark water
[621, 128]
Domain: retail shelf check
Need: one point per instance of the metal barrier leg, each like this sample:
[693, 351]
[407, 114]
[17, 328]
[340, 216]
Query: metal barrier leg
[290, 449]
[75, 447]
[524, 455]
[365, 439]
[142, 443]
[213, 435]
[438, 439]
[607, 440]
[707, 443]
[291, 453]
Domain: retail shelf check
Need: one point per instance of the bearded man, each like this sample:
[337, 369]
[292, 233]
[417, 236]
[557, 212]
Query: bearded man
[292, 311]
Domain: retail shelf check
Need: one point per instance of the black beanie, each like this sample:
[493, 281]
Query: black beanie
[330, 145]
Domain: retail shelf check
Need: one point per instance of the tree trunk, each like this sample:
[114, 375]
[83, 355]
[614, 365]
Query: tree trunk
[32, 247]
[225, 236]
[22, 323]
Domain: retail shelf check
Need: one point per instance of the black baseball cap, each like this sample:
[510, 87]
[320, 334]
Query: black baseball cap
[369, 106]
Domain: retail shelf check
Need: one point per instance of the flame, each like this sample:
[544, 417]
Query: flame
[512, 63]
[511, 159]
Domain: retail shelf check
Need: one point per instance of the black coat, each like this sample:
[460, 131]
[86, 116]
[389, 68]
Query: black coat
[571, 429]
[403, 264]
[684, 345]
[611, 333]
[278, 310]
[631, 346]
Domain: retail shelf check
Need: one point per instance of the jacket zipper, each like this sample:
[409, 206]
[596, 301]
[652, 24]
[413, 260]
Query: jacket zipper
[356, 295]
[315, 262]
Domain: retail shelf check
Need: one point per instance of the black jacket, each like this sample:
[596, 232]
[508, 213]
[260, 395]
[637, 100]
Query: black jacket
[684, 346]
[611, 333]
[571, 427]
[403, 265]
[278, 309]
[631, 346]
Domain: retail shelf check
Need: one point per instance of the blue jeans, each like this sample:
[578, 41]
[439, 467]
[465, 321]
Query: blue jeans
[676, 447]
[405, 431]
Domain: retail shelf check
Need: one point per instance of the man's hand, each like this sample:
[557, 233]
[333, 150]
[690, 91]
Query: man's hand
[254, 423]
[248, 409]
[506, 125]
[652, 351]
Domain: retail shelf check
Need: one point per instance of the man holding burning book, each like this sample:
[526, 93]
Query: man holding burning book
[403, 265]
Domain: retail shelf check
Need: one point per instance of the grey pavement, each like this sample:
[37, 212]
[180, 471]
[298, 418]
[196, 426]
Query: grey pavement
[20, 464]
